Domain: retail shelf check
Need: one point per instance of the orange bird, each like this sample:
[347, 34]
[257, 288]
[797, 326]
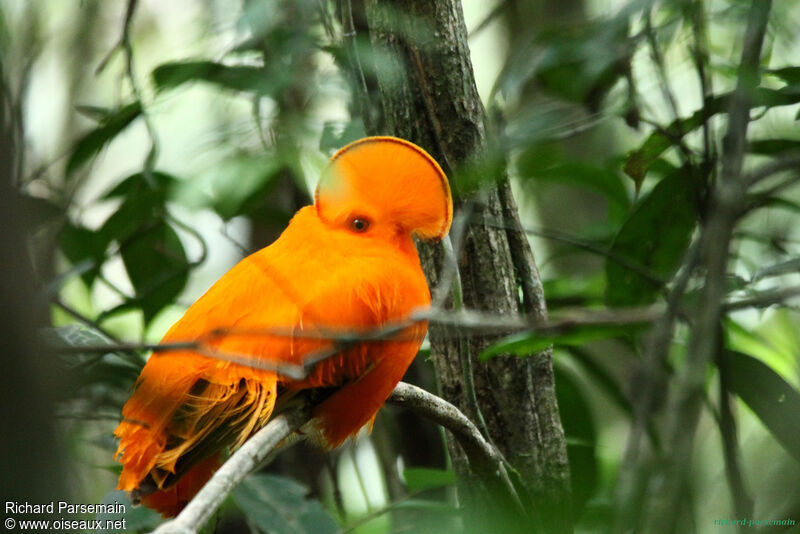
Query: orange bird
[347, 264]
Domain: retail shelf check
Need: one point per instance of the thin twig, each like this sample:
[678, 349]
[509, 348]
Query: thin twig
[658, 60]
[129, 11]
[85, 320]
[464, 321]
[743, 503]
[470, 321]
[577, 242]
[488, 19]
[667, 487]
[763, 299]
[152, 154]
[700, 57]
[649, 386]
[450, 283]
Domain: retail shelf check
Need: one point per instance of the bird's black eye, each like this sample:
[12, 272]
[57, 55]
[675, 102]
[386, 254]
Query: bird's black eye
[359, 224]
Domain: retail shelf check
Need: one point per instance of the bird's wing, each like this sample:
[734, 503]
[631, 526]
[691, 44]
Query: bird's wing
[274, 307]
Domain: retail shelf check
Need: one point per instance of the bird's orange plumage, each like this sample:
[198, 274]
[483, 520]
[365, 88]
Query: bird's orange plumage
[348, 264]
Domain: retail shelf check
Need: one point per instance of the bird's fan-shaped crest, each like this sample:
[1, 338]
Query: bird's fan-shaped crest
[389, 176]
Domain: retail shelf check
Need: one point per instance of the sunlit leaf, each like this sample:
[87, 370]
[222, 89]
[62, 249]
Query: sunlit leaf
[771, 342]
[94, 141]
[654, 237]
[279, 505]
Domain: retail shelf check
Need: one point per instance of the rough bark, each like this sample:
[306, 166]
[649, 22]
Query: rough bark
[429, 96]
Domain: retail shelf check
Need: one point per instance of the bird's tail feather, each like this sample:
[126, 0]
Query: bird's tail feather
[170, 501]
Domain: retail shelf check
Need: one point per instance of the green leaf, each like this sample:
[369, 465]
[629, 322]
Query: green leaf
[237, 77]
[156, 263]
[102, 379]
[790, 75]
[591, 177]
[241, 183]
[609, 384]
[577, 290]
[72, 335]
[771, 342]
[578, 423]
[279, 505]
[425, 505]
[420, 478]
[771, 147]
[579, 63]
[96, 113]
[773, 201]
[80, 244]
[529, 343]
[157, 183]
[142, 208]
[655, 237]
[640, 160]
[94, 141]
[770, 397]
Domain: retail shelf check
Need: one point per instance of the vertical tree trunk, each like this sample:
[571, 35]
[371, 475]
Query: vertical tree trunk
[429, 96]
[31, 469]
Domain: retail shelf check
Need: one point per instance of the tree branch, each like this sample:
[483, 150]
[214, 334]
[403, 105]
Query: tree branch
[469, 321]
[484, 458]
[239, 465]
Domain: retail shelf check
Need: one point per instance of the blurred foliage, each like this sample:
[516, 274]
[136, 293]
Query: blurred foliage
[277, 504]
[612, 127]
